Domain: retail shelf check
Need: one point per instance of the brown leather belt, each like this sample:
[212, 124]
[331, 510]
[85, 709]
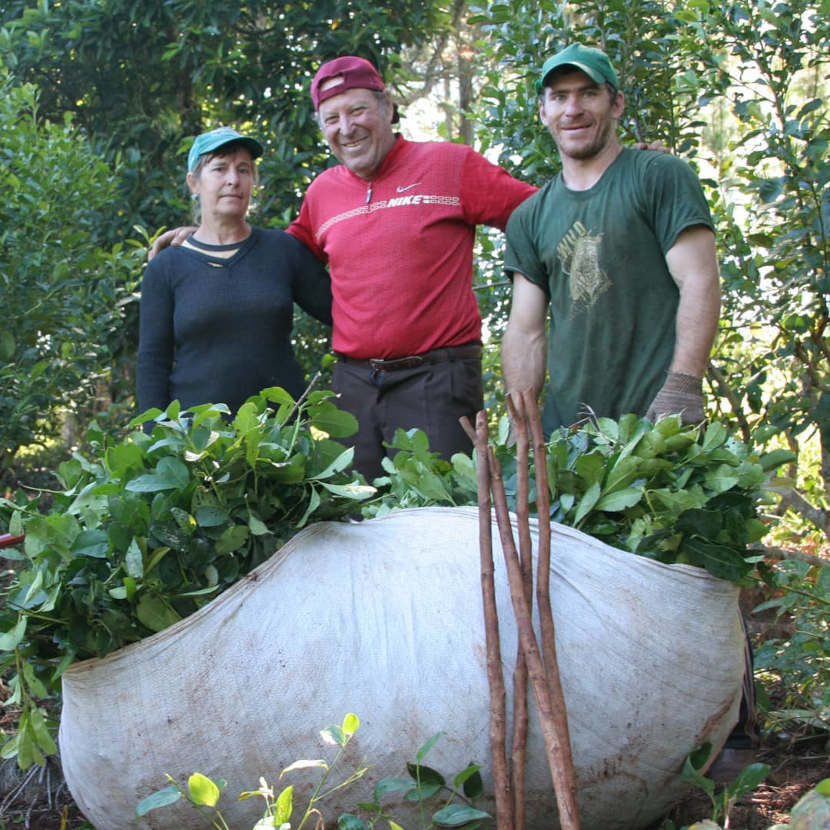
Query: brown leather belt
[395, 364]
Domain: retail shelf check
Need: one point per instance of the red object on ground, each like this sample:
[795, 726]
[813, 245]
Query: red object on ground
[7, 540]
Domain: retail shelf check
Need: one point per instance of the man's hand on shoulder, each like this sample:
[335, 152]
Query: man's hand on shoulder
[657, 146]
[680, 395]
[174, 237]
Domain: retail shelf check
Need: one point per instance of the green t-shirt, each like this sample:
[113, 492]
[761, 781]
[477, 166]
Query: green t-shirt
[599, 255]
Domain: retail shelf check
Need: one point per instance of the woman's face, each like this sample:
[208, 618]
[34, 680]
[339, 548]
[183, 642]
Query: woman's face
[224, 185]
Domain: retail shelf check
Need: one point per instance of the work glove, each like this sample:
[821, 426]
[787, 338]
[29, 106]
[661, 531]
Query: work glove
[680, 395]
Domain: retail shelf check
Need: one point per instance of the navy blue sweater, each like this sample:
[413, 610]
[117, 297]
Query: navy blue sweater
[216, 330]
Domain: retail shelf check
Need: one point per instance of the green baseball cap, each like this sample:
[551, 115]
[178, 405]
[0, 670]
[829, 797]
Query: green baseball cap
[208, 142]
[593, 62]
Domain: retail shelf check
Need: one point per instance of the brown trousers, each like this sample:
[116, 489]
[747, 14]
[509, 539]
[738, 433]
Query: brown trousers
[431, 397]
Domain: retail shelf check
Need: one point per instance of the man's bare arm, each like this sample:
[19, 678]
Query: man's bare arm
[693, 265]
[173, 237]
[524, 346]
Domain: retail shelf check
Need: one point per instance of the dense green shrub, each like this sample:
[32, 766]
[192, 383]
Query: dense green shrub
[61, 294]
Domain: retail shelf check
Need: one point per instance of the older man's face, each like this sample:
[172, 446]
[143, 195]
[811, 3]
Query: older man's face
[357, 125]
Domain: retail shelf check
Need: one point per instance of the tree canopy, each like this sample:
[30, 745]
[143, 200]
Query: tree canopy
[739, 89]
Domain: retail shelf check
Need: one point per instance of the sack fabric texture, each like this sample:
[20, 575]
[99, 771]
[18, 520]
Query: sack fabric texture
[383, 618]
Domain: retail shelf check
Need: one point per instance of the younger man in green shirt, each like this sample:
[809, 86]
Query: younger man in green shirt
[620, 246]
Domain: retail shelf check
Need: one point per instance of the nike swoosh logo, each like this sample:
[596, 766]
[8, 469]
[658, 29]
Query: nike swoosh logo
[408, 187]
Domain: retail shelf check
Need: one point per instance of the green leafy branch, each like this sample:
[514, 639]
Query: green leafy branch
[674, 493]
[150, 528]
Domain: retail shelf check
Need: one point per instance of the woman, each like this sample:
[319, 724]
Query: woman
[216, 312]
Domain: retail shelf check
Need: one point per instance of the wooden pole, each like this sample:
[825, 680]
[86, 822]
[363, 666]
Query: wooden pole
[520, 674]
[551, 719]
[495, 677]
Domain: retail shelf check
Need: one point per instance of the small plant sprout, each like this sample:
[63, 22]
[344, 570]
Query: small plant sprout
[722, 802]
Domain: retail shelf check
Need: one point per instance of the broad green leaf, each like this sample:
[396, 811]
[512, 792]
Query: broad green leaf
[470, 780]
[36, 686]
[9, 749]
[284, 805]
[748, 779]
[257, 526]
[722, 478]
[173, 410]
[333, 421]
[314, 502]
[422, 792]
[10, 640]
[160, 798]
[157, 556]
[38, 369]
[33, 589]
[355, 491]
[590, 467]
[694, 762]
[334, 735]
[134, 560]
[28, 752]
[175, 471]
[715, 436]
[823, 582]
[203, 790]
[291, 471]
[183, 519]
[209, 516]
[772, 460]
[347, 821]
[587, 502]
[91, 543]
[7, 345]
[620, 500]
[350, 725]
[392, 785]
[246, 419]
[156, 614]
[751, 476]
[232, 539]
[454, 815]
[425, 775]
[823, 787]
[150, 483]
[305, 764]
[277, 395]
[429, 485]
[620, 476]
[122, 458]
[45, 742]
[427, 747]
[721, 561]
[340, 463]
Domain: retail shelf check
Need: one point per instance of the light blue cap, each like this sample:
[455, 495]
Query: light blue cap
[208, 142]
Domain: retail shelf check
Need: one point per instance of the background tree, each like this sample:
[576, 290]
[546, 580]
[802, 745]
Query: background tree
[140, 79]
[60, 288]
[739, 90]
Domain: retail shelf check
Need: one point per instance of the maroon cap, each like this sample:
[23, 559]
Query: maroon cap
[356, 73]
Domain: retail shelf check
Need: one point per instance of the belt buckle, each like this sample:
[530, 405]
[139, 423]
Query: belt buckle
[378, 364]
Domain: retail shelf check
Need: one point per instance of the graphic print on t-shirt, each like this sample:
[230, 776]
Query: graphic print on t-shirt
[579, 255]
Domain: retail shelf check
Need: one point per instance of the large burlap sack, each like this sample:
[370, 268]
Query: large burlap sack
[383, 618]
